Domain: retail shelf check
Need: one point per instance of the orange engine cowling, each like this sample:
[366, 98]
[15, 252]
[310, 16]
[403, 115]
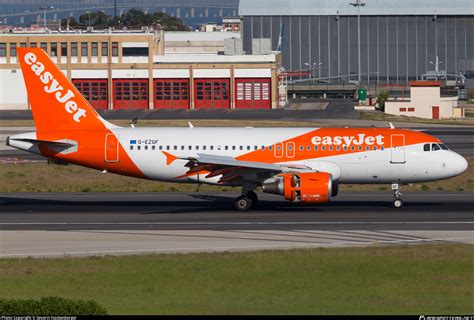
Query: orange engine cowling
[301, 187]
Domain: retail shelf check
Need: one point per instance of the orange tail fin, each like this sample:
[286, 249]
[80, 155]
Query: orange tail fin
[55, 102]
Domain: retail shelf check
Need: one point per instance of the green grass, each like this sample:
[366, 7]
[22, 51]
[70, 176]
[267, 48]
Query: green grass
[381, 116]
[417, 279]
[43, 177]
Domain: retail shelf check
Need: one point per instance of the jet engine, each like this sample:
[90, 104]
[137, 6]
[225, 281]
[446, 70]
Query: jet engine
[314, 187]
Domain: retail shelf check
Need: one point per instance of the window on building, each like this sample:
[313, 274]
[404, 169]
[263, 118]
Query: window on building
[44, 46]
[74, 49]
[403, 109]
[84, 49]
[63, 49]
[23, 45]
[411, 109]
[95, 49]
[135, 52]
[114, 49]
[3, 49]
[105, 49]
[12, 49]
[54, 49]
[33, 44]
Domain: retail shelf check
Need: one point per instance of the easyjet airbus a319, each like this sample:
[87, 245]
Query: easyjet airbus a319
[305, 165]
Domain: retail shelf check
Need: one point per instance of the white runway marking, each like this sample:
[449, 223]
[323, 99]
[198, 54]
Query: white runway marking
[232, 223]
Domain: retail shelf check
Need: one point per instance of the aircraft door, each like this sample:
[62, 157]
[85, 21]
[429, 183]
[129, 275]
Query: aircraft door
[111, 148]
[278, 151]
[398, 148]
[290, 149]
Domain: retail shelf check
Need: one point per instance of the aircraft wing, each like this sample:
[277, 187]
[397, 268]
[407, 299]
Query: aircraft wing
[231, 169]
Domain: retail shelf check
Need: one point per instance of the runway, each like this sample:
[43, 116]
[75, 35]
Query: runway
[97, 224]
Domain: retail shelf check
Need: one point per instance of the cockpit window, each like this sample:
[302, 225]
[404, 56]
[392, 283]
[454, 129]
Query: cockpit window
[426, 147]
[435, 147]
[443, 146]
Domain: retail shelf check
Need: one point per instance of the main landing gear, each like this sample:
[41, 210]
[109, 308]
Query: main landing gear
[247, 200]
[397, 200]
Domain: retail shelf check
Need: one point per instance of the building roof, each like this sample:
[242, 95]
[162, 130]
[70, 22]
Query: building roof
[342, 7]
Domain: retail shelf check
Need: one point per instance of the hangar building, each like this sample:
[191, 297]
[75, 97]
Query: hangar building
[399, 38]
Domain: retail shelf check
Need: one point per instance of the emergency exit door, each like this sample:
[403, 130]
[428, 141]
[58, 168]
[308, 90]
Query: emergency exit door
[111, 148]
[398, 148]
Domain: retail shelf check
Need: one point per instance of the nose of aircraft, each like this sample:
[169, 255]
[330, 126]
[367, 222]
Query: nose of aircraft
[458, 163]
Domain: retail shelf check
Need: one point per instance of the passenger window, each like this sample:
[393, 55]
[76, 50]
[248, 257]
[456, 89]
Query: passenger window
[226, 147]
[263, 147]
[270, 148]
[248, 147]
[330, 148]
[241, 147]
[382, 148]
[167, 147]
[190, 147]
[444, 147]
[131, 147]
[308, 148]
[301, 148]
[345, 148]
[338, 148]
[233, 147]
[360, 148]
[160, 147]
[146, 147]
[182, 147]
[323, 148]
[204, 147]
[211, 147]
[153, 147]
[138, 148]
[375, 148]
[426, 147]
[315, 148]
[352, 148]
[175, 147]
[435, 147]
[255, 148]
[367, 148]
[197, 147]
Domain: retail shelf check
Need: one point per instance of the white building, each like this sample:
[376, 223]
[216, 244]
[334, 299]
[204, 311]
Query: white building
[425, 102]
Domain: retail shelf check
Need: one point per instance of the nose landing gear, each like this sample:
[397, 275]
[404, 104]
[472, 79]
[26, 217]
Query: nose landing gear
[397, 200]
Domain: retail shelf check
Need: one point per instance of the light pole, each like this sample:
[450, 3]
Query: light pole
[45, 8]
[311, 68]
[357, 4]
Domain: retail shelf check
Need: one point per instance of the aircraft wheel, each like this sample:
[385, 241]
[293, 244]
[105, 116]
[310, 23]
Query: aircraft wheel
[243, 203]
[253, 197]
[397, 203]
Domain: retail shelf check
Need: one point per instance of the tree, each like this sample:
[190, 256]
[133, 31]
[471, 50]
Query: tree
[72, 22]
[382, 97]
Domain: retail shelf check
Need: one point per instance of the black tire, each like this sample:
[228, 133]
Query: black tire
[243, 203]
[253, 196]
[397, 203]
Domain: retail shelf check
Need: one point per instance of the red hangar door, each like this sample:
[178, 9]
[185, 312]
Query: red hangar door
[131, 94]
[252, 94]
[211, 93]
[171, 93]
[94, 91]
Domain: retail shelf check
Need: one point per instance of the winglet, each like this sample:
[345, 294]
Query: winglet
[169, 158]
[392, 126]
